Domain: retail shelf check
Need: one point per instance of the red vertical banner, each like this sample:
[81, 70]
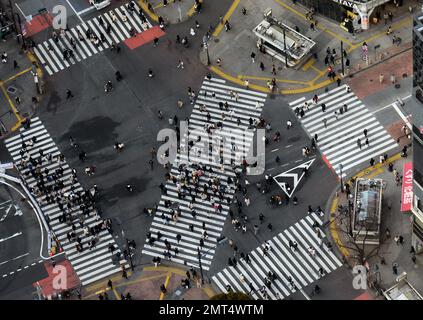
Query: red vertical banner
[407, 187]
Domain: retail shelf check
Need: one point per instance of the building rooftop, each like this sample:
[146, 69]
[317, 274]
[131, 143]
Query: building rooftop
[403, 290]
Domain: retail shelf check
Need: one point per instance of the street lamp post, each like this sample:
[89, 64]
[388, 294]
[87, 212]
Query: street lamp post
[128, 250]
[284, 48]
[201, 267]
[342, 57]
[342, 182]
[206, 48]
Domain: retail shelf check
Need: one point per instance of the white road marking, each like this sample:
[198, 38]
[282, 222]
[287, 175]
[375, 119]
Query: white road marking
[86, 10]
[391, 104]
[12, 236]
[403, 117]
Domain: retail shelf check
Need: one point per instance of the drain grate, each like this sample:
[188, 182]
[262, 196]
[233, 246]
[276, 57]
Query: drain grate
[11, 89]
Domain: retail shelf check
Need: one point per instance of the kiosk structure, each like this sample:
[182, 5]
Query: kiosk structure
[282, 42]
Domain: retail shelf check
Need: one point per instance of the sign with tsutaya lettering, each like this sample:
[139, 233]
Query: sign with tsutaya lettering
[407, 187]
[347, 3]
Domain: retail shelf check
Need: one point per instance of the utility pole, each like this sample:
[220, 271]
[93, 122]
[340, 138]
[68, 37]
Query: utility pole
[201, 267]
[206, 48]
[14, 20]
[284, 48]
[342, 57]
[128, 250]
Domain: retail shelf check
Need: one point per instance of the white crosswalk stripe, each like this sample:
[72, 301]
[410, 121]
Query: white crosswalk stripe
[91, 264]
[338, 139]
[285, 263]
[213, 96]
[50, 53]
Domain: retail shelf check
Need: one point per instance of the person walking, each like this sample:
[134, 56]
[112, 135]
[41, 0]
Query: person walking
[256, 229]
[68, 94]
[4, 57]
[381, 78]
[335, 114]
[325, 121]
[180, 64]
[253, 57]
[323, 107]
[395, 268]
[413, 258]
[359, 143]
[288, 124]
[227, 26]
[261, 66]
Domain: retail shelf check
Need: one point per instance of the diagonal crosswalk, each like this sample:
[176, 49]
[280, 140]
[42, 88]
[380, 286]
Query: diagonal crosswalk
[92, 264]
[225, 111]
[338, 135]
[113, 26]
[294, 269]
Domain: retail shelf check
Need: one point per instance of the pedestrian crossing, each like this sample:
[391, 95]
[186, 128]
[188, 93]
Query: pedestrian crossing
[337, 135]
[228, 126]
[121, 20]
[294, 268]
[92, 264]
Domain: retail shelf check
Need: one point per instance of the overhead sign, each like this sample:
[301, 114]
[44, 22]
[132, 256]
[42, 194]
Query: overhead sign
[346, 3]
[407, 187]
[289, 180]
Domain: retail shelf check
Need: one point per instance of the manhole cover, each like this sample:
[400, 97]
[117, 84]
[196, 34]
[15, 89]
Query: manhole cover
[216, 40]
[371, 80]
[397, 86]
[404, 75]
[11, 89]
[280, 68]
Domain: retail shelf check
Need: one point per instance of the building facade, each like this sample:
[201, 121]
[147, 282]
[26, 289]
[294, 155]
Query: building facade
[417, 110]
[349, 13]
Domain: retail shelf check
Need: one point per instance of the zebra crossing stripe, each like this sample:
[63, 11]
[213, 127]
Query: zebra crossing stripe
[53, 44]
[213, 219]
[92, 264]
[338, 134]
[105, 44]
[281, 261]
[53, 60]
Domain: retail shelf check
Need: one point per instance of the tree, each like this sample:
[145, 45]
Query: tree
[357, 242]
[231, 296]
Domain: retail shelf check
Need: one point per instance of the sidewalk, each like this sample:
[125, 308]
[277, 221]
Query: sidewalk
[235, 46]
[17, 87]
[145, 285]
[399, 223]
[367, 82]
[175, 11]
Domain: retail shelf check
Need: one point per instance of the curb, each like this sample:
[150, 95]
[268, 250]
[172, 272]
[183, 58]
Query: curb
[144, 7]
[332, 205]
